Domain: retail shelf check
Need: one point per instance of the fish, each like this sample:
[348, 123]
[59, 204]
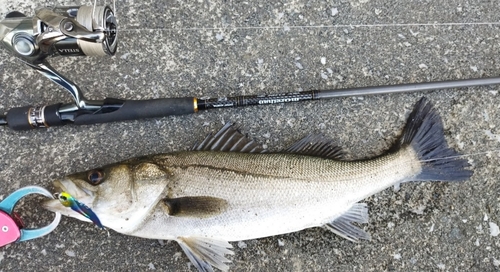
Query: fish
[69, 201]
[228, 188]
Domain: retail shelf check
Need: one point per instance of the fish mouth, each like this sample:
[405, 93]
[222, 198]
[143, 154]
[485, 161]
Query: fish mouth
[67, 185]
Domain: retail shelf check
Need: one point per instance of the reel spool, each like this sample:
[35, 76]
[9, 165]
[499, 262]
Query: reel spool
[104, 19]
[81, 25]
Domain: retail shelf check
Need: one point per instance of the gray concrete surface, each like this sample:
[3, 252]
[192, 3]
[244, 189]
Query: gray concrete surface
[216, 48]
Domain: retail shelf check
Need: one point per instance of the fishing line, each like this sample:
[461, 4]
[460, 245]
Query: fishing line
[461, 155]
[311, 27]
[295, 27]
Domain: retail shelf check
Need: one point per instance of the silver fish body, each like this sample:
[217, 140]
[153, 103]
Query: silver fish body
[269, 194]
[209, 196]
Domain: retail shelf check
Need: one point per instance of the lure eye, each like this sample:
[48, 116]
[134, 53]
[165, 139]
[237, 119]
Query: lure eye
[95, 177]
[63, 198]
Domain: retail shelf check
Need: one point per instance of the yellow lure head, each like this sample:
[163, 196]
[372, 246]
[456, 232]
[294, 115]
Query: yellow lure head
[65, 199]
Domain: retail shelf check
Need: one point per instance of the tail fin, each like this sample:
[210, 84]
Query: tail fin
[424, 133]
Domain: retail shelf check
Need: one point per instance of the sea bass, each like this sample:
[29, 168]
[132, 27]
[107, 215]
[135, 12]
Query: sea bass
[229, 189]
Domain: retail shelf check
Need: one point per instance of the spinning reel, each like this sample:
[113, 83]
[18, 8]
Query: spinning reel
[60, 31]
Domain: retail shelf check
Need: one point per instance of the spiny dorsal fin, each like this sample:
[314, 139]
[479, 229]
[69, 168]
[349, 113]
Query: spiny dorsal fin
[195, 206]
[316, 145]
[228, 139]
[205, 252]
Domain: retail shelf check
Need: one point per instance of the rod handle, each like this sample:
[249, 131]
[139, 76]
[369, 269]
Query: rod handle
[140, 109]
[30, 117]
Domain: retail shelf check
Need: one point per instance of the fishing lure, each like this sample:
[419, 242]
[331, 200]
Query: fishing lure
[68, 201]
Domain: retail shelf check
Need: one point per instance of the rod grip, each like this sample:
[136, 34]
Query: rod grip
[139, 109]
[20, 119]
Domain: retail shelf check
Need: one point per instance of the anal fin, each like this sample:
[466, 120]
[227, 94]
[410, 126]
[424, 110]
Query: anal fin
[205, 252]
[343, 227]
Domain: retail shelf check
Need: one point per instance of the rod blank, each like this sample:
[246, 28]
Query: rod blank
[407, 88]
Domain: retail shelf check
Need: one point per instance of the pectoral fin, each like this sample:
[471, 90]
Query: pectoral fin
[195, 206]
[205, 252]
[342, 225]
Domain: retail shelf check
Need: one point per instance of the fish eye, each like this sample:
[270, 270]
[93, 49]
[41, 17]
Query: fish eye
[63, 197]
[95, 177]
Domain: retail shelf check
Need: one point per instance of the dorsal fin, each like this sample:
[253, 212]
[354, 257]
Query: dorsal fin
[228, 139]
[316, 145]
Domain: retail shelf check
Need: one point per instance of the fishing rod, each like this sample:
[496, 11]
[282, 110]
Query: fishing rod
[92, 31]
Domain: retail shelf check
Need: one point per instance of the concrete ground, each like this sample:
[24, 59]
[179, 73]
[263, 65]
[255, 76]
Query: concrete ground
[218, 48]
